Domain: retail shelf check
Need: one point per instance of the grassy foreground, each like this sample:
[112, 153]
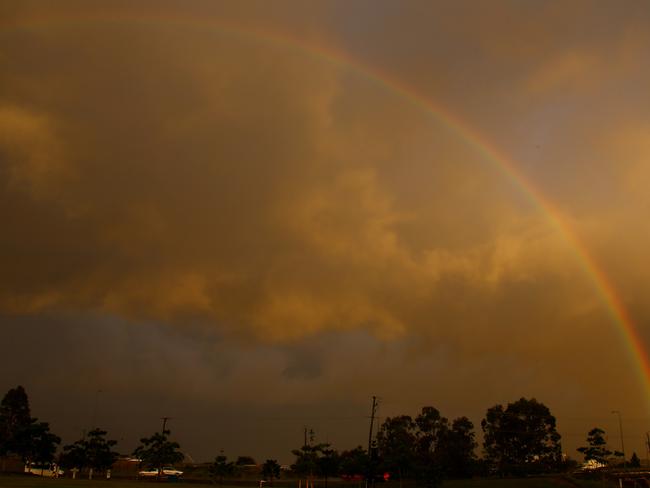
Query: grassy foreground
[558, 482]
[17, 481]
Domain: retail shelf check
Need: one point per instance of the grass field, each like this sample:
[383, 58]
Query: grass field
[35, 482]
[524, 483]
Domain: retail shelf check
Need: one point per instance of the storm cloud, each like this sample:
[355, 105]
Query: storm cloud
[232, 206]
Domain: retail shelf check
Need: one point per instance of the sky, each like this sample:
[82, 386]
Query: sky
[252, 217]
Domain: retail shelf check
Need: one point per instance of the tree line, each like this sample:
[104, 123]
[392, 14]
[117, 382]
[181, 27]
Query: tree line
[518, 439]
[23, 436]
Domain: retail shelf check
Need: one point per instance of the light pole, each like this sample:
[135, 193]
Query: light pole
[162, 442]
[620, 429]
[93, 419]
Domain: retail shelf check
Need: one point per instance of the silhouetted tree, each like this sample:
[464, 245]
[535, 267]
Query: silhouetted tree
[39, 444]
[307, 459]
[456, 449]
[15, 417]
[244, 460]
[597, 446]
[271, 470]
[430, 451]
[521, 438]
[328, 463]
[431, 428]
[396, 441]
[22, 435]
[74, 456]
[157, 450]
[353, 462]
[221, 468]
[428, 448]
[93, 451]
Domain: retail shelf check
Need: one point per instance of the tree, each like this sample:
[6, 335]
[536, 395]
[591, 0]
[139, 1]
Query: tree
[431, 427]
[245, 460]
[597, 446]
[353, 462]
[20, 433]
[307, 459]
[430, 453]
[156, 451]
[328, 463]
[221, 468]
[94, 451]
[426, 448]
[74, 456]
[521, 438]
[456, 449]
[396, 441]
[39, 444]
[15, 418]
[271, 470]
[99, 450]
[635, 462]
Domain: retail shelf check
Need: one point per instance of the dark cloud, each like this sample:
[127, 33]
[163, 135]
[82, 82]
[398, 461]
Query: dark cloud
[303, 365]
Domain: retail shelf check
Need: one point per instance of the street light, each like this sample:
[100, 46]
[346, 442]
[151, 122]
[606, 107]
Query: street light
[93, 418]
[620, 428]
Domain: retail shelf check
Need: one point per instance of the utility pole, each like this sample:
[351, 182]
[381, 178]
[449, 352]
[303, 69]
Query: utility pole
[620, 429]
[373, 411]
[162, 440]
[93, 417]
[372, 421]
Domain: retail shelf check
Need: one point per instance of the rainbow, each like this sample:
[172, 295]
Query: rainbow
[599, 280]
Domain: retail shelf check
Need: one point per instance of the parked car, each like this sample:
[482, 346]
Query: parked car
[167, 471]
[592, 465]
[47, 470]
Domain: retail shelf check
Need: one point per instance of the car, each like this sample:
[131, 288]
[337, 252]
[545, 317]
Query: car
[167, 471]
[592, 465]
[46, 470]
